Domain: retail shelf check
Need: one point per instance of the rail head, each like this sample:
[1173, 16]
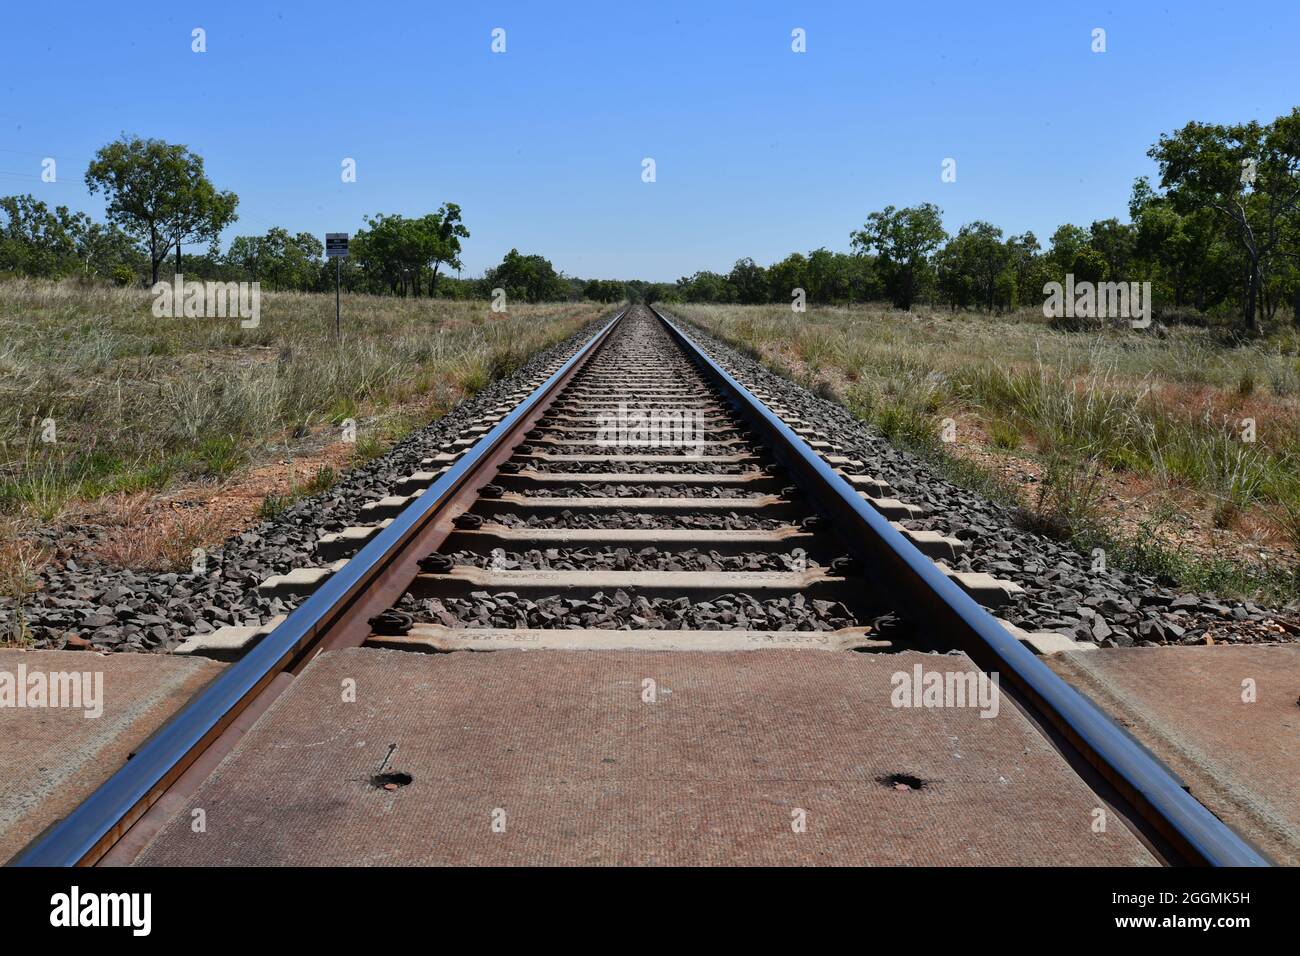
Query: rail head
[86, 833]
[1154, 791]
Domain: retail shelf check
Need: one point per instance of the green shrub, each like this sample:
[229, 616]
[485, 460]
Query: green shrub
[1004, 435]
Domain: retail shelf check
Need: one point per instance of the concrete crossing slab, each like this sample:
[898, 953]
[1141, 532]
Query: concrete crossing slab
[637, 757]
[1224, 718]
[53, 757]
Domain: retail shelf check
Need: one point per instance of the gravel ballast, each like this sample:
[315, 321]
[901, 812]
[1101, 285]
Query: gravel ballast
[644, 491]
[620, 609]
[1063, 594]
[634, 559]
[83, 604]
[629, 520]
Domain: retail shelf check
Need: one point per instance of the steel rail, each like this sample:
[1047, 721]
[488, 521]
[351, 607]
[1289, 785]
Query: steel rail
[898, 568]
[90, 830]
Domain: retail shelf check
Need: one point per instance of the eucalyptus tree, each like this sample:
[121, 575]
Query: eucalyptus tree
[158, 193]
[904, 241]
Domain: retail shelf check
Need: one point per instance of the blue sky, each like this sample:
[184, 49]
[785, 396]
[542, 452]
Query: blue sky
[759, 151]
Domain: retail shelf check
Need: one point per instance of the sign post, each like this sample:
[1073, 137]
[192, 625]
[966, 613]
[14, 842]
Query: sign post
[336, 248]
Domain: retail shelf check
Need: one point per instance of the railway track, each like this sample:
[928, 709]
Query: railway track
[639, 499]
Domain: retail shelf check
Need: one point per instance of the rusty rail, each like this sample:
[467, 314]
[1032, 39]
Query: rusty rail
[337, 614]
[897, 567]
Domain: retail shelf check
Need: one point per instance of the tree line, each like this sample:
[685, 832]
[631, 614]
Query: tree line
[1218, 234]
[158, 199]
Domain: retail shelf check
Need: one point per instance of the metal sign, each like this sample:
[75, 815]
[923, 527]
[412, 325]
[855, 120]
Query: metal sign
[336, 248]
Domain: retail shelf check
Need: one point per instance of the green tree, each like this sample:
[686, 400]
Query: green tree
[1249, 175]
[158, 193]
[531, 278]
[1068, 242]
[278, 258]
[395, 253]
[442, 233]
[787, 275]
[1027, 265]
[952, 280]
[1115, 242]
[660, 292]
[705, 287]
[1184, 255]
[36, 240]
[106, 252]
[1072, 253]
[291, 262]
[605, 290]
[904, 240]
[830, 276]
[245, 256]
[978, 256]
[748, 280]
[388, 254]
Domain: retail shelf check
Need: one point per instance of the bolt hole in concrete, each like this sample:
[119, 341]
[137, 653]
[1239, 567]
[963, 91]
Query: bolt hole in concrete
[902, 781]
[391, 780]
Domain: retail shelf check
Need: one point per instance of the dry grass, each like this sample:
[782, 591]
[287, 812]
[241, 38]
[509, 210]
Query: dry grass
[1092, 410]
[140, 404]
[20, 564]
[146, 538]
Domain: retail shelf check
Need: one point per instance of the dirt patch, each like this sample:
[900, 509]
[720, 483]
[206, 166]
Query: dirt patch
[1136, 507]
[158, 532]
